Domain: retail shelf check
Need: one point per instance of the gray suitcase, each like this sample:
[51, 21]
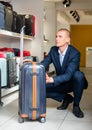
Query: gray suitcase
[3, 67]
[32, 90]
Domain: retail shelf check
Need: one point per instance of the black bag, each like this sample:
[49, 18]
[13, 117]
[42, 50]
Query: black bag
[6, 17]
[20, 22]
[7, 4]
[14, 22]
[30, 25]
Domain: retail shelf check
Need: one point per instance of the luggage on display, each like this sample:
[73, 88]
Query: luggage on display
[25, 53]
[30, 25]
[7, 4]
[17, 65]
[14, 22]
[2, 54]
[3, 67]
[16, 51]
[1, 16]
[8, 19]
[32, 91]
[9, 55]
[20, 20]
[11, 72]
[6, 16]
[7, 49]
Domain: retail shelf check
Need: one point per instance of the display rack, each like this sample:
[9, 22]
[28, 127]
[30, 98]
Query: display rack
[9, 34]
[14, 35]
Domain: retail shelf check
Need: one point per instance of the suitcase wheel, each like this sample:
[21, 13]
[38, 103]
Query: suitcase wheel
[42, 119]
[20, 120]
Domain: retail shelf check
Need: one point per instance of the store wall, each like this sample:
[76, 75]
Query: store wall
[81, 37]
[62, 21]
[50, 26]
[29, 7]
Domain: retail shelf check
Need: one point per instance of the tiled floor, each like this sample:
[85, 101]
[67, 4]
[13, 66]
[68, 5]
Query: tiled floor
[55, 119]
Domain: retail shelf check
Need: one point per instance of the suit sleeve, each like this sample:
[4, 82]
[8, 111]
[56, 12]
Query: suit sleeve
[47, 61]
[72, 66]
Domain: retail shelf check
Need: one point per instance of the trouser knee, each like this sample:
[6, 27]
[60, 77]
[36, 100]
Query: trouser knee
[78, 76]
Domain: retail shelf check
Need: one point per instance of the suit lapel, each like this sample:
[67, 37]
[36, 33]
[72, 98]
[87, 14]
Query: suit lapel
[57, 61]
[66, 57]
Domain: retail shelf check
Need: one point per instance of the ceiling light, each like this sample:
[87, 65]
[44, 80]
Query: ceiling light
[66, 3]
[75, 15]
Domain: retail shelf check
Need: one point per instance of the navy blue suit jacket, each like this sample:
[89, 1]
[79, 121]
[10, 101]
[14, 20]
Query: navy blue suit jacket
[70, 64]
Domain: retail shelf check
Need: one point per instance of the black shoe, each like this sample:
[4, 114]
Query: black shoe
[77, 112]
[65, 103]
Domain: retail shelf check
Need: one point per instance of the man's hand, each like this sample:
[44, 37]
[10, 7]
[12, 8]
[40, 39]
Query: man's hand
[49, 79]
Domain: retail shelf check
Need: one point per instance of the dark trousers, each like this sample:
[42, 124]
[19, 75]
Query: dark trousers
[76, 85]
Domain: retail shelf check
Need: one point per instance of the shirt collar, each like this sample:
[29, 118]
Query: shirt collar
[63, 54]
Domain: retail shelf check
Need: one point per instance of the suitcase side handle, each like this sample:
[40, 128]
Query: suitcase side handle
[27, 60]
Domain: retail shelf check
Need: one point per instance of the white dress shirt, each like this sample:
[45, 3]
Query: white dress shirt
[62, 55]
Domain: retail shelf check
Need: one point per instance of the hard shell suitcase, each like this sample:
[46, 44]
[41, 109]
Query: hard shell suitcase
[17, 65]
[32, 89]
[3, 67]
[2, 54]
[11, 72]
[32, 93]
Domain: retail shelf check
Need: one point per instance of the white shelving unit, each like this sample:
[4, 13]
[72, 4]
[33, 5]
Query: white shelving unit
[13, 34]
[8, 34]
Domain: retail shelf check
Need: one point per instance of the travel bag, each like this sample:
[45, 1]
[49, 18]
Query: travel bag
[30, 25]
[6, 16]
[32, 90]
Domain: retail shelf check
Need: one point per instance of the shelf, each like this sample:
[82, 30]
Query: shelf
[14, 35]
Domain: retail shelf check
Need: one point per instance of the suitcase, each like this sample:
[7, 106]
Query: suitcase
[1, 16]
[30, 25]
[17, 65]
[2, 54]
[1, 103]
[25, 53]
[32, 91]
[3, 67]
[9, 55]
[16, 51]
[6, 17]
[11, 72]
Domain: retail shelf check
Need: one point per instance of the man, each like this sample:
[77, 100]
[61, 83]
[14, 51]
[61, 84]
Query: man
[69, 78]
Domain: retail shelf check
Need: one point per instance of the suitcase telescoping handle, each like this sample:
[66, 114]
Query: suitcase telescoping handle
[21, 44]
[21, 47]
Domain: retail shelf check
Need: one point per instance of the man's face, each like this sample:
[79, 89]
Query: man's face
[62, 38]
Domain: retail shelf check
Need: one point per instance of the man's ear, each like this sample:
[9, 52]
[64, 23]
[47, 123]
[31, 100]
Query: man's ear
[67, 39]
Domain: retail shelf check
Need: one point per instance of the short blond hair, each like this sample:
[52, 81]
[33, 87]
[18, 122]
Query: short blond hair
[64, 29]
